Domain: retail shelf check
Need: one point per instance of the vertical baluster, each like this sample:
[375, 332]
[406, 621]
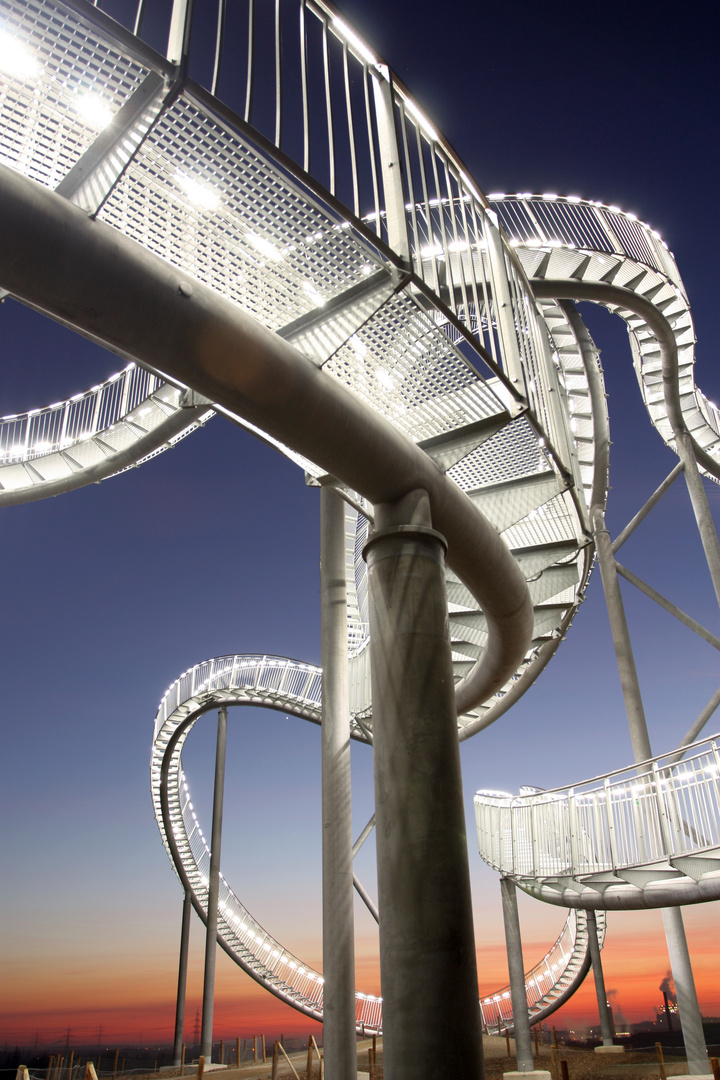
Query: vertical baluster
[304, 87]
[249, 85]
[278, 76]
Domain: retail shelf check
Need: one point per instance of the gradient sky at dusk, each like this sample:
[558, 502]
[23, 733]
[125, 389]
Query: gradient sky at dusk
[112, 591]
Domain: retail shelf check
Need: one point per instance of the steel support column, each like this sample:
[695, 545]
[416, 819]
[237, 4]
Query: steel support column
[337, 870]
[701, 508]
[182, 978]
[213, 890]
[688, 1007]
[431, 1018]
[516, 969]
[603, 1007]
[691, 1022]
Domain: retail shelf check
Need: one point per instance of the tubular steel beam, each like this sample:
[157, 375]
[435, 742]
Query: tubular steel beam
[208, 1002]
[645, 510]
[516, 969]
[668, 605]
[603, 1008]
[182, 978]
[89, 276]
[337, 872]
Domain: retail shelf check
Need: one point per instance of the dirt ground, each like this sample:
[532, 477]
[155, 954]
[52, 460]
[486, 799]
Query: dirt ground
[581, 1065]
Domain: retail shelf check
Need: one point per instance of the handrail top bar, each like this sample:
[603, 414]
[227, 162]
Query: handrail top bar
[567, 788]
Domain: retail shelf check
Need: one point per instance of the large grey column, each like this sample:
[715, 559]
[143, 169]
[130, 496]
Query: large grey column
[516, 969]
[182, 978]
[431, 1017]
[688, 1007]
[603, 1008]
[338, 923]
[213, 889]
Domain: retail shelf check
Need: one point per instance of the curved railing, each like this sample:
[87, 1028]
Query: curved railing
[294, 688]
[574, 239]
[120, 423]
[553, 980]
[644, 836]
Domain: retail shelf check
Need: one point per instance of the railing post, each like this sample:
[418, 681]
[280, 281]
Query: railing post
[611, 824]
[391, 165]
[572, 817]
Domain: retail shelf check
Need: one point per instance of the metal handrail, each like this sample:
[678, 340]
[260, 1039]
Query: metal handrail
[610, 235]
[294, 688]
[656, 814]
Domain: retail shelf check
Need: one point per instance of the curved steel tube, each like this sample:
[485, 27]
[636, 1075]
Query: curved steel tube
[617, 296]
[89, 276]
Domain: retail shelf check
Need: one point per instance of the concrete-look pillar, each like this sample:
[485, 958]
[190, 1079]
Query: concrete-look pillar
[337, 864]
[213, 890]
[182, 978]
[516, 969]
[688, 1007]
[603, 1007]
[431, 1016]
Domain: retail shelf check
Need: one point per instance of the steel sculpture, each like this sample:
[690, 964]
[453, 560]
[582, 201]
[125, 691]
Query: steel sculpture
[330, 258]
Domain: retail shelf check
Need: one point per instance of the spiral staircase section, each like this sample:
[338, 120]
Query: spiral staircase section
[642, 837]
[410, 292]
[295, 689]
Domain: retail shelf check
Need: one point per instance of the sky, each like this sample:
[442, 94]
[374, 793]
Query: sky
[112, 591]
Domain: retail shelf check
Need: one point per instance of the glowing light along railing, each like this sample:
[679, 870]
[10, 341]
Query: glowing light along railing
[541, 981]
[264, 677]
[258, 678]
[631, 818]
[336, 130]
[65, 423]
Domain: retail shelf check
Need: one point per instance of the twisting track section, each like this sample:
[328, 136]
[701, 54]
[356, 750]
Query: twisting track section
[258, 252]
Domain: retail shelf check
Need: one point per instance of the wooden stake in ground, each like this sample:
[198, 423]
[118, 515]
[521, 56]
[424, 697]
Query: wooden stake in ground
[273, 1075]
[90, 1073]
[661, 1061]
[50, 1065]
[308, 1067]
[564, 1074]
[507, 1041]
[201, 1067]
[182, 1060]
[263, 1047]
[70, 1065]
[715, 1066]
[237, 1050]
[117, 1055]
[22, 1072]
[554, 1062]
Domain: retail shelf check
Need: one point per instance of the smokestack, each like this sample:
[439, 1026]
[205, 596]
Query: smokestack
[668, 1016]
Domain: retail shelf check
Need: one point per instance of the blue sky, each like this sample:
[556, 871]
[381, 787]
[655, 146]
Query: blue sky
[110, 592]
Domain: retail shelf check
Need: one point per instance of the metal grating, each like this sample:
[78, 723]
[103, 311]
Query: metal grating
[68, 83]
[205, 200]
